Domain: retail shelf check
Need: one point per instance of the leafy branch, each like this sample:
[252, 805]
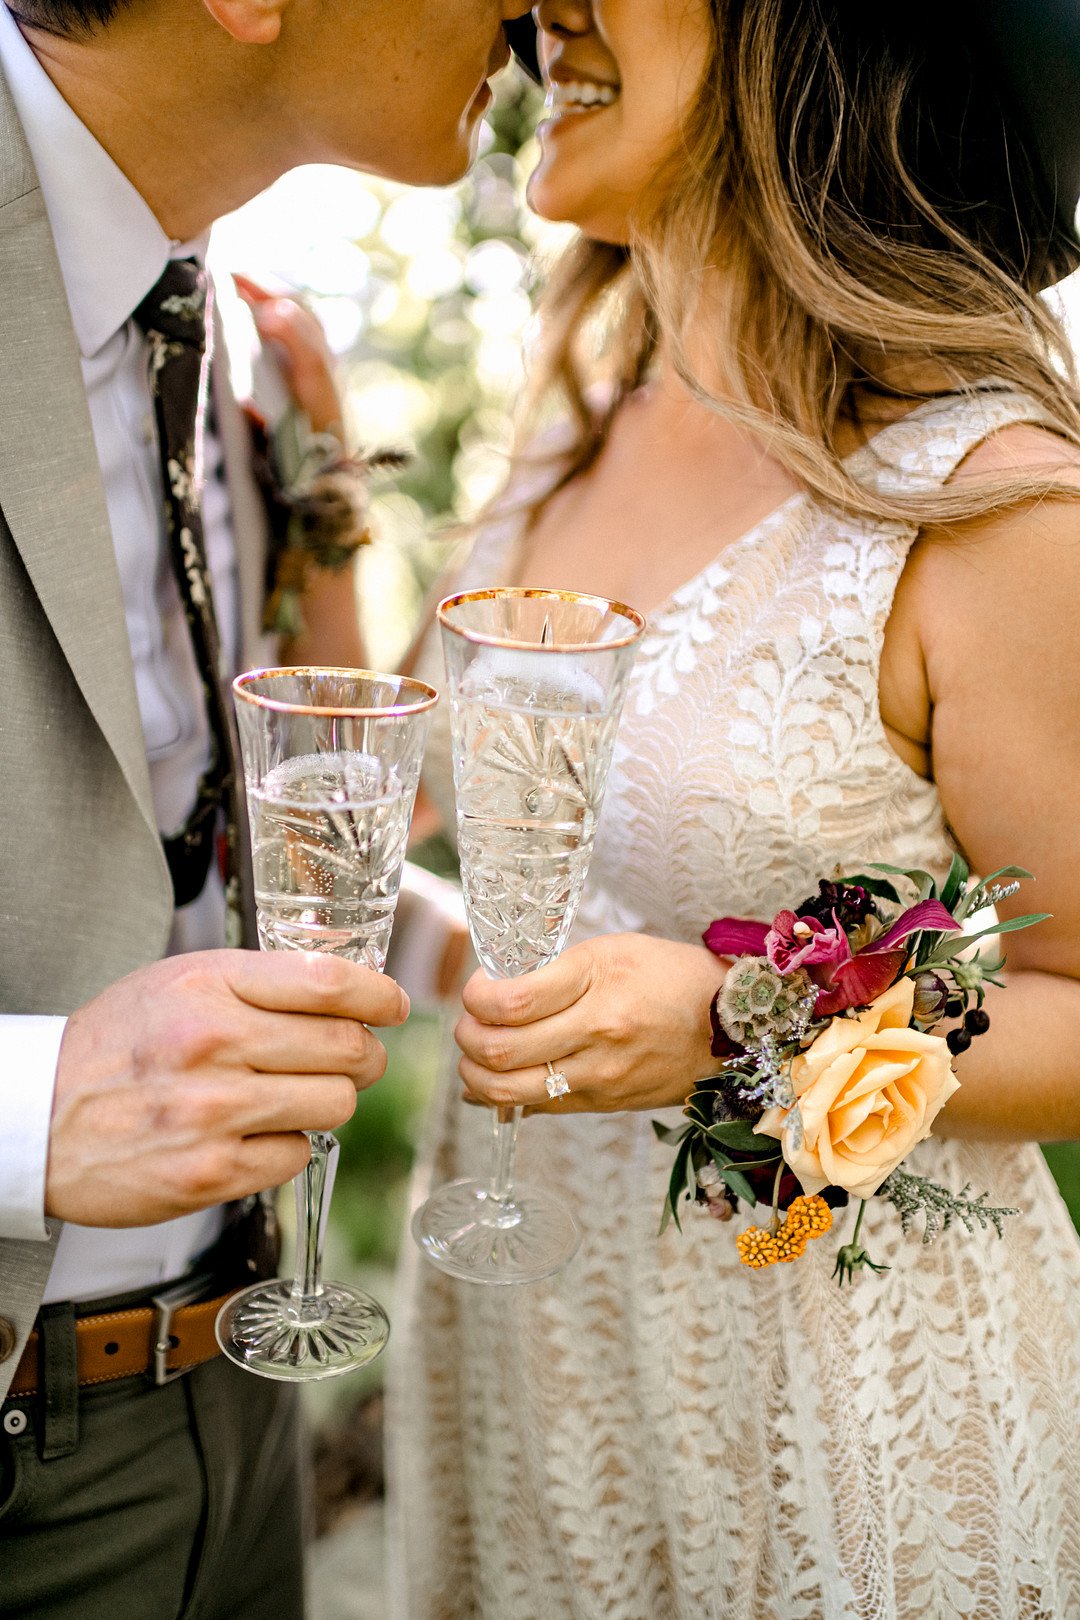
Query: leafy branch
[917, 1195]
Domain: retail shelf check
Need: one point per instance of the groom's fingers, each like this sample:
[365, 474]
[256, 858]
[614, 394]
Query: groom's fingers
[310, 982]
[536, 995]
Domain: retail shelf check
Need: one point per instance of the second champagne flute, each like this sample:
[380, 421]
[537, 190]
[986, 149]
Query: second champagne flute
[536, 682]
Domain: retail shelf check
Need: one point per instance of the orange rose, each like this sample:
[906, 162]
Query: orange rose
[869, 1088]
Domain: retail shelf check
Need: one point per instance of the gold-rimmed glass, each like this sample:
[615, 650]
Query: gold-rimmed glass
[536, 681]
[331, 764]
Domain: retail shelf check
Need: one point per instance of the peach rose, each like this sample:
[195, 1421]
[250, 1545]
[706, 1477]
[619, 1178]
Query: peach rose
[869, 1088]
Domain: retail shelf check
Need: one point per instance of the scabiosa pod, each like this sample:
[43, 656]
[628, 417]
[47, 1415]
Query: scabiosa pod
[757, 1000]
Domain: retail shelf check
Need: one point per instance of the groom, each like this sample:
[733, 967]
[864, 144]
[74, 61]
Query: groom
[150, 1084]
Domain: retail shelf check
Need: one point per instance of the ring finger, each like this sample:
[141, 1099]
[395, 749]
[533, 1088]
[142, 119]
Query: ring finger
[523, 1088]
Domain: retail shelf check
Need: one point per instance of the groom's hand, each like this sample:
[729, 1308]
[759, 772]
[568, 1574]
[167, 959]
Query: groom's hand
[190, 1082]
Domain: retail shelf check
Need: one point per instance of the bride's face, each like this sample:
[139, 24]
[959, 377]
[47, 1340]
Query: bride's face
[622, 75]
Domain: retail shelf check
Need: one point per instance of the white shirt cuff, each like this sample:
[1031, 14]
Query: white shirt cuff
[29, 1051]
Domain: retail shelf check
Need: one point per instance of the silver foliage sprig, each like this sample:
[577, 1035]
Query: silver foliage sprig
[917, 1195]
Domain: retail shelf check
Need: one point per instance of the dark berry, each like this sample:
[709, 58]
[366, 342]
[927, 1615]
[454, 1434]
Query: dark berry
[957, 1040]
[977, 1022]
[954, 1007]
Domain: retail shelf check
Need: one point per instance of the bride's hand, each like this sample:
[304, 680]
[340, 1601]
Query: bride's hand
[624, 1016]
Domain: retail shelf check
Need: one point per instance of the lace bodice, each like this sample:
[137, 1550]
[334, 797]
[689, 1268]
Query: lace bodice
[621, 1442]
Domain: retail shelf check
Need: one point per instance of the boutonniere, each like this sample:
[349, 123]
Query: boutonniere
[318, 503]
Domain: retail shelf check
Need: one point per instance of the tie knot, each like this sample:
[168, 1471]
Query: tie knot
[176, 305]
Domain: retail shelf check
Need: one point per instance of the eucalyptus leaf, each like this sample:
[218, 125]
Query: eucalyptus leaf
[737, 1134]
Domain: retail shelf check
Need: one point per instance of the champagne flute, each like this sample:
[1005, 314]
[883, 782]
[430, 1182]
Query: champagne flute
[331, 764]
[536, 681]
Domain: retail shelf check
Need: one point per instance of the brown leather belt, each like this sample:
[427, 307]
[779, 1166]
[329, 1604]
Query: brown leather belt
[163, 1340]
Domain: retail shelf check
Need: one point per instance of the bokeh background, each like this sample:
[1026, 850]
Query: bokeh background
[426, 299]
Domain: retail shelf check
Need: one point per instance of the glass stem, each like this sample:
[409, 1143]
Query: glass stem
[312, 1202]
[505, 1122]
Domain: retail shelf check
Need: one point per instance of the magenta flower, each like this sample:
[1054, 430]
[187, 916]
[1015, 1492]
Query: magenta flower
[804, 942]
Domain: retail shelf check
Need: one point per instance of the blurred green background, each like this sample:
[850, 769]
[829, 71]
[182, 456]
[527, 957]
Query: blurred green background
[425, 296]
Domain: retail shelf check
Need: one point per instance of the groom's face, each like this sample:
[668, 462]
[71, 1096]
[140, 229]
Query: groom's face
[396, 87]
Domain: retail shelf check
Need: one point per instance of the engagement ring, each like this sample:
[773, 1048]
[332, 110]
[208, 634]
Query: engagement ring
[556, 1082]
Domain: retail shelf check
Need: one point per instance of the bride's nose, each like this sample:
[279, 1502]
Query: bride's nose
[565, 19]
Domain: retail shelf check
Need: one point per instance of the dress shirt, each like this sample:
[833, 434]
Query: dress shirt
[112, 251]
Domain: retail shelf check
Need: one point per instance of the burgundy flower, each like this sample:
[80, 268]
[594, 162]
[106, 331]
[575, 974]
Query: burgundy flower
[849, 902]
[804, 942]
[871, 970]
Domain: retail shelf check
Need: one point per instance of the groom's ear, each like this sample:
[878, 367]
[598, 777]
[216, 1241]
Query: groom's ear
[250, 22]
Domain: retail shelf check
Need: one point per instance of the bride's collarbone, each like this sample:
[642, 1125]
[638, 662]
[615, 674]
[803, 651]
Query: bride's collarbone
[637, 534]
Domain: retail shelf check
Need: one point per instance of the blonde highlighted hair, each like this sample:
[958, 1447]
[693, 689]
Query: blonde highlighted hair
[856, 195]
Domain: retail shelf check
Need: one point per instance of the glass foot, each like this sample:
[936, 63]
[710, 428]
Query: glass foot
[467, 1232]
[266, 1330]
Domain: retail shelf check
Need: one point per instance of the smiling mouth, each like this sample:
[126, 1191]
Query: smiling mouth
[574, 99]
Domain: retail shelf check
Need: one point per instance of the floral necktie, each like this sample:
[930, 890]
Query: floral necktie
[173, 316]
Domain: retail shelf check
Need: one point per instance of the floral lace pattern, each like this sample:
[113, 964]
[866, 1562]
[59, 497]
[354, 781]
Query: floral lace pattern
[612, 1444]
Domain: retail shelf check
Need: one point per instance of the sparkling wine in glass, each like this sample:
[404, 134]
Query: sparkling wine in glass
[536, 682]
[331, 764]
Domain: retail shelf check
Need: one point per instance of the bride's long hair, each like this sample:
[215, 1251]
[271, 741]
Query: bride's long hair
[859, 200]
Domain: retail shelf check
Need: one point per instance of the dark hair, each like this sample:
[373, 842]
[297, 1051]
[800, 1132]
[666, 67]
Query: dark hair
[71, 19]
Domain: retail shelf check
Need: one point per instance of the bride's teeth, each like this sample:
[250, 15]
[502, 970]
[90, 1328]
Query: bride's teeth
[581, 97]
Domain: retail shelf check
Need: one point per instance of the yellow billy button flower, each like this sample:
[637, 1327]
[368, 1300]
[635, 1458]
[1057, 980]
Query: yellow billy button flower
[810, 1216]
[790, 1243]
[757, 1247]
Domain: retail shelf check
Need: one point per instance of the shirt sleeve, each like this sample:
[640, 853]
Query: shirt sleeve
[29, 1051]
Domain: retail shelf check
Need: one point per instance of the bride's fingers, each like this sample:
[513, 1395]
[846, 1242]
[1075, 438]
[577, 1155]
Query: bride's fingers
[503, 1049]
[525, 1088]
[537, 995]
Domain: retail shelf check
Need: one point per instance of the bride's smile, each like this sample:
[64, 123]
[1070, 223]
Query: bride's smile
[622, 77]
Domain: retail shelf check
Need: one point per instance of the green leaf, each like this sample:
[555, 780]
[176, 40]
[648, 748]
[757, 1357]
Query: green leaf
[677, 1181]
[738, 1184]
[957, 943]
[737, 1134]
[922, 880]
[667, 1134]
[958, 876]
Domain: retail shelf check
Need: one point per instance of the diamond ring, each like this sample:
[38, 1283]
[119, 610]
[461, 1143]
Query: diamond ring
[557, 1083]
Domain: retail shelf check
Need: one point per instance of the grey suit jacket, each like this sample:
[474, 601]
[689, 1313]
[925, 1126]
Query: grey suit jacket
[85, 895]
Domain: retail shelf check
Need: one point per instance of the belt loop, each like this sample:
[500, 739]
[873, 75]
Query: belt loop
[59, 1381]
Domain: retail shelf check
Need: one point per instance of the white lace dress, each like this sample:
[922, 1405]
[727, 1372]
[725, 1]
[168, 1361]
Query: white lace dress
[658, 1433]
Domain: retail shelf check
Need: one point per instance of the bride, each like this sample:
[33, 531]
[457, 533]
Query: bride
[817, 426]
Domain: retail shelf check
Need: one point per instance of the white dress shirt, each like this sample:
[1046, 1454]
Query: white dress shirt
[112, 251]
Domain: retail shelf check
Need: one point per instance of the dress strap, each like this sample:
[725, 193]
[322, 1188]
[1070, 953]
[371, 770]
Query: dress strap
[923, 450]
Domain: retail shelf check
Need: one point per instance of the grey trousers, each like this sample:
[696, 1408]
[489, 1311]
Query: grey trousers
[179, 1503]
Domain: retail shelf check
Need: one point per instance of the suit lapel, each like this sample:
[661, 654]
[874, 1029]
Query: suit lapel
[51, 491]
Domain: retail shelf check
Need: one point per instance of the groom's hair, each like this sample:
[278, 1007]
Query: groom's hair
[73, 19]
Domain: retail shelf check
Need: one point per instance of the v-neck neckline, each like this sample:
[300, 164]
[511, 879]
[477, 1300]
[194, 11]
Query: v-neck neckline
[748, 537]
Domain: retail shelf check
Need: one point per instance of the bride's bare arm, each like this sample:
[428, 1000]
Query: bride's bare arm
[997, 611]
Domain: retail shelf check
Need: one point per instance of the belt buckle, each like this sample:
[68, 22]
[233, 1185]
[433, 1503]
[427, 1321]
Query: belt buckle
[166, 1304]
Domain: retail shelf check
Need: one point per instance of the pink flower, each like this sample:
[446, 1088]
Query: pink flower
[795, 942]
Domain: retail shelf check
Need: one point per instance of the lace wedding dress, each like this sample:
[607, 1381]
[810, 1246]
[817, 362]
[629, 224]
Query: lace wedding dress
[658, 1433]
